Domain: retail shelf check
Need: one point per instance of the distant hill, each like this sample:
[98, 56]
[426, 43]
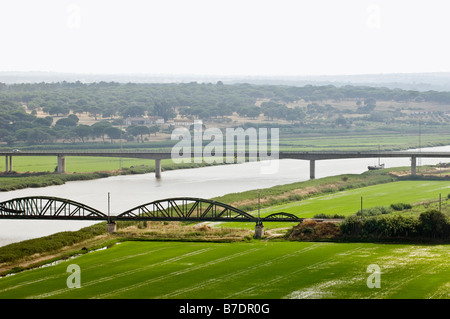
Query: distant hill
[408, 81]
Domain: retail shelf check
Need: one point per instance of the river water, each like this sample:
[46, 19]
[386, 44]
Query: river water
[129, 191]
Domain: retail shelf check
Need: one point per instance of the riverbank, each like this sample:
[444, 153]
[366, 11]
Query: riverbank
[14, 181]
[282, 194]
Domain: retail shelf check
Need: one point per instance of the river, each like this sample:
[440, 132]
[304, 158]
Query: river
[132, 190]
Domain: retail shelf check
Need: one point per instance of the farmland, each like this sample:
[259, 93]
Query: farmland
[156, 265]
[256, 269]
[348, 202]
[189, 263]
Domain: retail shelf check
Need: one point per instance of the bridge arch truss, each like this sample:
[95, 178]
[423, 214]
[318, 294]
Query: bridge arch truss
[186, 209]
[282, 216]
[169, 209]
[45, 207]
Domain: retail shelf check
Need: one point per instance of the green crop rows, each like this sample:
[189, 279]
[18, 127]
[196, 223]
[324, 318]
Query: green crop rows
[348, 202]
[243, 270]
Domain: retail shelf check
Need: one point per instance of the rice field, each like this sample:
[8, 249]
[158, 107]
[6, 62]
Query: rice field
[348, 202]
[79, 164]
[246, 270]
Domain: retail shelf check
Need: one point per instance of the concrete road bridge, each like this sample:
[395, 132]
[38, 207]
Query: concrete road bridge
[312, 157]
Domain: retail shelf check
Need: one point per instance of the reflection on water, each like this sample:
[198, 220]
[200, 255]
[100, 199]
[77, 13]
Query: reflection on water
[129, 191]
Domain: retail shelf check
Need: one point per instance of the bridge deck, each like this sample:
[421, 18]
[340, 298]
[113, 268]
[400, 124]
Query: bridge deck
[158, 156]
[281, 155]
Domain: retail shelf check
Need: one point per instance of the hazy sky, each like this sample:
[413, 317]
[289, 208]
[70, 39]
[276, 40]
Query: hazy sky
[228, 37]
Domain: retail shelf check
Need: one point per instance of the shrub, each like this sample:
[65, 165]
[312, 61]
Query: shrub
[326, 230]
[294, 197]
[433, 223]
[142, 225]
[400, 206]
[390, 226]
[325, 216]
[328, 190]
[313, 230]
[204, 228]
[352, 226]
[374, 211]
[372, 227]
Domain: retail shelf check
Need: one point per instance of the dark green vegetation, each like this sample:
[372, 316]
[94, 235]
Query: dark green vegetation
[431, 226]
[70, 113]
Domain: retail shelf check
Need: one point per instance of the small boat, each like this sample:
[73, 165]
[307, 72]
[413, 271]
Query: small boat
[375, 167]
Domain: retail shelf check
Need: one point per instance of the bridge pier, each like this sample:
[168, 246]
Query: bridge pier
[61, 164]
[158, 168]
[312, 169]
[111, 227]
[8, 163]
[413, 165]
[259, 230]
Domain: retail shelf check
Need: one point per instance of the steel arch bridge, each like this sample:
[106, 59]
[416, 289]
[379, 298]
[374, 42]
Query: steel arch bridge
[169, 209]
[45, 207]
[185, 208]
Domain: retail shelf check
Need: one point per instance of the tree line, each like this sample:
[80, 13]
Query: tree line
[110, 103]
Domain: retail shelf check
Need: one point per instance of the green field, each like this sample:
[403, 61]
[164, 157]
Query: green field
[362, 141]
[260, 269]
[348, 202]
[79, 164]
